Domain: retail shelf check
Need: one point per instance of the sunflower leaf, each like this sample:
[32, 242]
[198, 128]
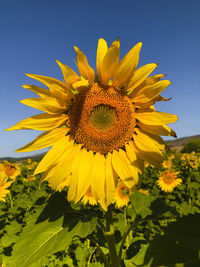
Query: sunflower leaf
[179, 246]
[53, 231]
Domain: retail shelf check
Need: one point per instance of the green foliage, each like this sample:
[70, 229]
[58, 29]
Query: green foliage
[192, 145]
[39, 228]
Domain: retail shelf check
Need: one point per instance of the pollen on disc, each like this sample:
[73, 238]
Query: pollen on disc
[102, 119]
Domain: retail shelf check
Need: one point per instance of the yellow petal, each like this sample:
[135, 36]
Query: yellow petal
[127, 66]
[111, 179]
[53, 84]
[110, 62]
[65, 166]
[131, 152]
[156, 118]
[98, 181]
[149, 81]
[80, 85]
[84, 69]
[123, 168]
[148, 93]
[83, 173]
[101, 52]
[54, 154]
[140, 75]
[49, 105]
[40, 122]
[157, 129]
[147, 149]
[158, 141]
[44, 140]
[60, 97]
[69, 75]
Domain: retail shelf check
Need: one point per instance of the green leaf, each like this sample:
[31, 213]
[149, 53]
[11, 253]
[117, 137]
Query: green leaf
[180, 244]
[141, 204]
[138, 260]
[51, 233]
[13, 228]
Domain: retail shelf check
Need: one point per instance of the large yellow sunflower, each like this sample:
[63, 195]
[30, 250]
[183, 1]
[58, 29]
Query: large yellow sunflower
[101, 128]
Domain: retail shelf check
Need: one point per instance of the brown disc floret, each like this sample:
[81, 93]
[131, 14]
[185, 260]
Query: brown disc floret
[102, 119]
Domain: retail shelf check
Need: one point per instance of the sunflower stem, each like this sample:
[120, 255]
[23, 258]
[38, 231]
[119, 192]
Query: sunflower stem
[110, 237]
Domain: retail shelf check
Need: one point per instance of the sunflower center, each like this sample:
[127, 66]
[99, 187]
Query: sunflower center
[101, 119]
[169, 179]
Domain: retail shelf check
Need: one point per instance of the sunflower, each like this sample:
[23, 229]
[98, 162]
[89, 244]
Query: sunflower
[167, 164]
[144, 191]
[168, 180]
[121, 196]
[101, 127]
[89, 198]
[3, 187]
[10, 170]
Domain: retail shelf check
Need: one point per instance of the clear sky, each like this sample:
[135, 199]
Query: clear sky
[34, 33]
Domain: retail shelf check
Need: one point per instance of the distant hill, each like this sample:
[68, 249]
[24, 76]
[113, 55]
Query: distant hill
[36, 157]
[176, 144]
[179, 143]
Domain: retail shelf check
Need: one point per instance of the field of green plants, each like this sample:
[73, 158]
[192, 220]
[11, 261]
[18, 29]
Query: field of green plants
[158, 226]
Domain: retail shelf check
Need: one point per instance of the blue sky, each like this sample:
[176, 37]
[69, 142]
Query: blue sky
[35, 33]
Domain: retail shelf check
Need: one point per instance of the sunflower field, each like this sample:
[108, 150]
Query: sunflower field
[154, 224]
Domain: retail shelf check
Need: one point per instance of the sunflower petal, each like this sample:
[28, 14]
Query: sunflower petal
[65, 166]
[54, 154]
[53, 84]
[156, 118]
[83, 173]
[40, 122]
[60, 97]
[101, 52]
[69, 75]
[148, 93]
[85, 70]
[127, 66]
[49, 105]
[149, 81]
[80, 84]
[140, 75]
[147, 149]
[44, 140]
[110, 62]
[98, 181]
[157, 129]
[111, 179]
[123, 168]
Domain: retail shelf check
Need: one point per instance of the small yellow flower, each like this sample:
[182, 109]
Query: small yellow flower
[121, 196]
[168, 180]
[29, 161]
[3, 187]
[167, 164]
[89, 198]
[10, 170]
[172, 156]
[144, 191]
[146, 164]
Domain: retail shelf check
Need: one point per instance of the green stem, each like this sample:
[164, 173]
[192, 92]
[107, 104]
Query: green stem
[110, 237]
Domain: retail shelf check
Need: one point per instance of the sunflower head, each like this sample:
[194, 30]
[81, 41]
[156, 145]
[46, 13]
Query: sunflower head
[4, 184]
[101, 129]
[169, 180]
[10, 170]
[121, 196]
